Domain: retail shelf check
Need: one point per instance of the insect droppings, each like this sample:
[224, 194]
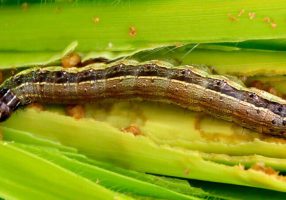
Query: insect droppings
[132, 31]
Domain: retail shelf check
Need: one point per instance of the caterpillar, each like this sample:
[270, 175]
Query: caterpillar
[185, 86]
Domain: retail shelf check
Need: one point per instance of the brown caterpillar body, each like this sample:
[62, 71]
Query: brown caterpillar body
[185, 86]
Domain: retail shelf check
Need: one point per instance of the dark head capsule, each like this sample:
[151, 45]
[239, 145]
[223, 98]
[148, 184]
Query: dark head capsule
[8, 103]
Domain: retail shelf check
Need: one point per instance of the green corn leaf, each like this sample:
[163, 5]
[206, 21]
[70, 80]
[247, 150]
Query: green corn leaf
[24, 176]
[139, 153]
[109, 178]
[107, 25]
[12, 59]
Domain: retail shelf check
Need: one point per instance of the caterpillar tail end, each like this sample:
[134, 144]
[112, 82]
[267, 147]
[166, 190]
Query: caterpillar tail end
[9, 102]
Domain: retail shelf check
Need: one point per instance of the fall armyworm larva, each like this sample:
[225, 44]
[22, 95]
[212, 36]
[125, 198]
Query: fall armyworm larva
[185, 86]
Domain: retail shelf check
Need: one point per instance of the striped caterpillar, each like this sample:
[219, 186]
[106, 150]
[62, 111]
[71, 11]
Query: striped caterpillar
[185, 86]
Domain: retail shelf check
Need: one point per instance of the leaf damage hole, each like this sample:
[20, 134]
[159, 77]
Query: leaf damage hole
[95, 19]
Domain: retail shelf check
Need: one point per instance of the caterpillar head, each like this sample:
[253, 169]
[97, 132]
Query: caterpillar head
[8, 103]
